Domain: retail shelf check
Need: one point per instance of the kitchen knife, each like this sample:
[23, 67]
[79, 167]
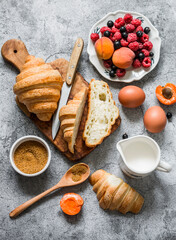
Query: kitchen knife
[66, 88]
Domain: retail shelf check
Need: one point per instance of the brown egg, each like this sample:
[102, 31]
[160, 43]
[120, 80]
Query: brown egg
[155, 119]
[131, 96]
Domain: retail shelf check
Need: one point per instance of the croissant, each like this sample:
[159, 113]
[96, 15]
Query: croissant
[38, 86]
[70, 117]
[114, 194]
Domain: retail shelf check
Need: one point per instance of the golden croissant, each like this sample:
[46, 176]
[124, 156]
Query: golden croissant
[38, 86]
[114, 194]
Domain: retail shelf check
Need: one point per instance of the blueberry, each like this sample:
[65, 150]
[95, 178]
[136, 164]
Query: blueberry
[107, 33]
[117, 45]
[124, 35]
[123, 29]
[151, 54]
[146, 30]
[169, 115]
[125, 136]
[141, 56]
[112, 73]
[110, 23]
[139, 33]
[113, 67]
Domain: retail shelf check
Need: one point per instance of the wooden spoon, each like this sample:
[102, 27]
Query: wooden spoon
[66, 181]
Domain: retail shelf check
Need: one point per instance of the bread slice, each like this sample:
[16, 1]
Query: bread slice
[102, 113]
[70, 116]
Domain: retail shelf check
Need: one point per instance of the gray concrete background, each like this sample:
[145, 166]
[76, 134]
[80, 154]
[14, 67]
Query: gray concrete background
[49, 29]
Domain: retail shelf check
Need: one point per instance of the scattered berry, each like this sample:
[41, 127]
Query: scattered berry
[130, 28]
[144, 38]
[112, 73]
[151, 54]
[120, 72]
[94, 37]
[136, 63]
[146, 30]
[117, 36]
[169, 115]
[117, 45]
[107, 33]
[114, 30]
[110, 23]
[107, 63]
[128, 18]
[125, 136]
[123, 43]
[146, 62]
[136, 22]
[124, 35]
[145, 52]
[113, 67]
[103, 29]
[119, 23]
[132, 37]
[141, 56]
[148, 45]
[139, 28]
[139, 33]
[123, 29]
[134, 46]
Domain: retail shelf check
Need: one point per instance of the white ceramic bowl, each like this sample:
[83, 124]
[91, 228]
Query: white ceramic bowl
[131, 74]
[24, 139]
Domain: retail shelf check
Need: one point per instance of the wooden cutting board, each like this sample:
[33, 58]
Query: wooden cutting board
[15, 52]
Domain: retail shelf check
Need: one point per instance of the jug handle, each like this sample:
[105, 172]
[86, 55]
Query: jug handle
[164, 167]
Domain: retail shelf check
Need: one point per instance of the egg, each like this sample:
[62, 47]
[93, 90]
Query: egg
[131, 96]
[155, 119]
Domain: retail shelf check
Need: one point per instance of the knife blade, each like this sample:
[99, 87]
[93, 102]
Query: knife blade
[66, 88]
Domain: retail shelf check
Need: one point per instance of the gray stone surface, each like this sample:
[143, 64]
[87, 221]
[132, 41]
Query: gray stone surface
[49, 29]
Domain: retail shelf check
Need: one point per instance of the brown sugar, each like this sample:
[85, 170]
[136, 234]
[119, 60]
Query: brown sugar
[30, 157]
[77, 172]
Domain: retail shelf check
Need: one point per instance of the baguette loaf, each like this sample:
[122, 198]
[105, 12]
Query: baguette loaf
[102, 113]
[114, 194]
[70, 116]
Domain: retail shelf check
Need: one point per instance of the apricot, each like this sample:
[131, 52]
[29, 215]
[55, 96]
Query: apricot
[104, 48]
[123, 57]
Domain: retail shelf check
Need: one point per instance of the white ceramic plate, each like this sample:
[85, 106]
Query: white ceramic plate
[131, 74]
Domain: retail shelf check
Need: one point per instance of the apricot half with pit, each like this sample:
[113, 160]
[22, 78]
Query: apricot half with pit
[104, 48]
[123, 57]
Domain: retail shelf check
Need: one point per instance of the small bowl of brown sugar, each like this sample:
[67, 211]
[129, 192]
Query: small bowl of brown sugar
[30, 156]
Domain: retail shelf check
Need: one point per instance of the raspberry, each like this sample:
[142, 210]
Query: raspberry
[134, 46]
[128, 18]
[132, 37]
[120, 72]
[140, 45]
[136, 63]
[107, 63]
[94, 37]
[117, 36]
[145, 52]
[114, 30]
[144, 38]
[123, 42]
[103, 29]
[119, 22]
[130, 28]
[139, 28]
[111, 37]
[148, 46]
[146, 62]
[136, 22]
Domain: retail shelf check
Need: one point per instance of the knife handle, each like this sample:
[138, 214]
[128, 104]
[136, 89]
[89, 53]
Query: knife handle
[76, 53]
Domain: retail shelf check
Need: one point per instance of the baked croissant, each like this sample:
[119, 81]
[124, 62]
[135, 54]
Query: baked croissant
[70, 116]
[38, 86]
[114, 194]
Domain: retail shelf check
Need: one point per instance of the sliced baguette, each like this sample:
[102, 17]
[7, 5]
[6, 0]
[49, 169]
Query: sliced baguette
[102, 113]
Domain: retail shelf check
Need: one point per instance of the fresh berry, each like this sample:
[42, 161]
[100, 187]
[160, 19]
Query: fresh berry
[136, 22]
[114, 30]
[94, 37]
[140, 45]
[128, 18]
[103, 29]
[125, 136]
[151, 54]
[124, 35]
[146, 62]
[106, 34]
[110, 24]
[120, 72]
[107, 63]
[130, 28]
[132, 37]
[119, 23]
[134, 46]
[113, 67]
[144, 38]
[139, 28]
[123, 42]
[145, 52]
[117, 45]
[136, 63]
[112, 73]
[139, 33]
[117, 36]
[146, 30]
[141, 56]
[111, 37]
[169, 115]
[123, 29]
[148, 46]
